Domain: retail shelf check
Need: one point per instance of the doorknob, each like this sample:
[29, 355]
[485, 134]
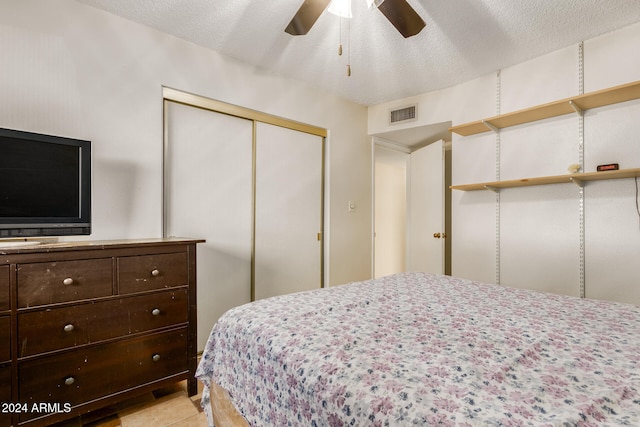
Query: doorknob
[436, 235]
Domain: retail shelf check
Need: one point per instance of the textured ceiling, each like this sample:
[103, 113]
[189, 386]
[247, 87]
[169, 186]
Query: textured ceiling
[464, 39]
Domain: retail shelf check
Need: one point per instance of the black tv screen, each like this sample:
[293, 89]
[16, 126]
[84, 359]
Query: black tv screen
[45, 185]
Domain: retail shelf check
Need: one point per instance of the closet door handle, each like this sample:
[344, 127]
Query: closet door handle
[436, 235]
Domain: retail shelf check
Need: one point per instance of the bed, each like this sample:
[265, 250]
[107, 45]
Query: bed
[424, 349]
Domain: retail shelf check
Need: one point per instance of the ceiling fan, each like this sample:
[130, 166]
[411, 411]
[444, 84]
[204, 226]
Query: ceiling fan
[398, 12]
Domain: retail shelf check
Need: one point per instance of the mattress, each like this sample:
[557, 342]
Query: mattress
[424, 349]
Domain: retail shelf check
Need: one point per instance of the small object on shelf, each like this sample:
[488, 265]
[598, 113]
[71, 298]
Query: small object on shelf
[574, 168]
[608, 167]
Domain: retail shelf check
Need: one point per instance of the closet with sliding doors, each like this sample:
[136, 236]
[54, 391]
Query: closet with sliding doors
[251, 185]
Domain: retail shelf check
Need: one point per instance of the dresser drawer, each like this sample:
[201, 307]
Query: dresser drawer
[147, 272]
[47, 330]
[88, 374]
[53, 282]
[5, 394]
[5, 338]
[4, 288]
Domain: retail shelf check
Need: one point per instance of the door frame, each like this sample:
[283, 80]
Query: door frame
[447, 163]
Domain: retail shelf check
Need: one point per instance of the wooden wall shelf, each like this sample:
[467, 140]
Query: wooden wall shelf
[577, 178]
[576, 104]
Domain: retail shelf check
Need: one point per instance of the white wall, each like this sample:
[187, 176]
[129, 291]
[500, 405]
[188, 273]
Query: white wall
[72, 70]
[531, 238]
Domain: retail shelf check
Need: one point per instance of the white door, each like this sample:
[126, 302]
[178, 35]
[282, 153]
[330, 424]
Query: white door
[426, 230]
[208, 187]
[288, 214]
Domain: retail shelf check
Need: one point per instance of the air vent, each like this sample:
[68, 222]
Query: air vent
[403, 114]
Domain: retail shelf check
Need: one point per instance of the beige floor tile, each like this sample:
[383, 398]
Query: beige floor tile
[163, 412]
[199, 420]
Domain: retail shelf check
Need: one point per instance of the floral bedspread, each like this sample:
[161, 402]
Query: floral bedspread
[422, 349]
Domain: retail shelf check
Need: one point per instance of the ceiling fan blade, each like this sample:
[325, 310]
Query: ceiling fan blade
[306, 16]
[402, 16]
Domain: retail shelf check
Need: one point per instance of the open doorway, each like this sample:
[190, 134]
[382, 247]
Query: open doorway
[390, 209]
[412, 215]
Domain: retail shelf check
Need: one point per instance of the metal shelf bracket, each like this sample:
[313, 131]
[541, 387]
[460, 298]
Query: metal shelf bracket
[576, 108]
[491, 126]
[578, 182]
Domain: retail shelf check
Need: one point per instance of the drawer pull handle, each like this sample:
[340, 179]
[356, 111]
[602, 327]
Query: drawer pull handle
[69, 381]
[155, 357]
[68, 281]
[155, 312]
[69, 328]
[155, 272]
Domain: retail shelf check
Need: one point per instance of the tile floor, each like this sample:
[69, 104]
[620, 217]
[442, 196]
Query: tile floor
[167, 407]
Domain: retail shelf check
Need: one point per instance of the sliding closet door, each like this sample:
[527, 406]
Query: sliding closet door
[288, 211]
[208, 195]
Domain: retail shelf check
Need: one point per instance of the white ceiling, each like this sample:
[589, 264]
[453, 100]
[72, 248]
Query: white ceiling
[464, 39]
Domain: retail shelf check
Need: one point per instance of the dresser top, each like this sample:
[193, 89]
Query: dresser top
[29, 246]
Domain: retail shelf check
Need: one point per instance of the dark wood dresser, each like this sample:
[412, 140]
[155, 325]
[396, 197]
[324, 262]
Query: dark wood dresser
[84, 325]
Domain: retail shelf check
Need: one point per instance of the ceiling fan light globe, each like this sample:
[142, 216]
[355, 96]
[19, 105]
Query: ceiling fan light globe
[373, 3]
[341, 8]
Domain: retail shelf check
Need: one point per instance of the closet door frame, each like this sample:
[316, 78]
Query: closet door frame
[170, 95]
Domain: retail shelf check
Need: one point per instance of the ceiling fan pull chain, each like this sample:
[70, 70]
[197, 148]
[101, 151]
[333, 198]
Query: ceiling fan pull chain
[340, 34]
[349, 49]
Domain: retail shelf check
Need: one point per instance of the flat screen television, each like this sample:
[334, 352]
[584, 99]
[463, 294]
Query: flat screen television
[45, 185]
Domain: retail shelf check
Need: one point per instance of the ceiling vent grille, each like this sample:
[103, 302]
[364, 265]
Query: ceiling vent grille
[403, 114]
